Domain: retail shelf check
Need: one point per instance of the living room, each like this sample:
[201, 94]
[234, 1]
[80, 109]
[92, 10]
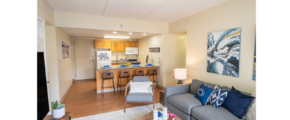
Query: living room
[193, 25]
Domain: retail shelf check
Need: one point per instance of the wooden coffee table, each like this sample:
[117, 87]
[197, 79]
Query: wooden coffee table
[149, 116]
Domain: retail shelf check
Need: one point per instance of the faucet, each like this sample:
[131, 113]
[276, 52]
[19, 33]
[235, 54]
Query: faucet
[117, 58]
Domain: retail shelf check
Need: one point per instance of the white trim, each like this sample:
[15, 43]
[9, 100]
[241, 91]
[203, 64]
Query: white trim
[66, 93]
[86, 79]
[110, 90]
[45, 61]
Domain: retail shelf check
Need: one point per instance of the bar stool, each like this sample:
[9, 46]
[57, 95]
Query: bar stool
[108, 76]
[124, 74]
[153, 72]
[138, 73]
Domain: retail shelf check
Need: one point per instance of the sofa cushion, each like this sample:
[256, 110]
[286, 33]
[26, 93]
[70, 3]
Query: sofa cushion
[218, 96]
[209, 112]
[237, 103]
[140, 87]
[204, 94]
[142, 97]
[197, 83]
[225, 87]
[184, 102]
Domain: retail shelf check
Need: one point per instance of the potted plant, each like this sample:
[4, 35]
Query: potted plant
[58, 110]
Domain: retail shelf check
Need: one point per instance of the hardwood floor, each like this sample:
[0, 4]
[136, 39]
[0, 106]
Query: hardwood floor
[83, 100]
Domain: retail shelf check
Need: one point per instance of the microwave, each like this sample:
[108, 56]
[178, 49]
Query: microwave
[131, 51]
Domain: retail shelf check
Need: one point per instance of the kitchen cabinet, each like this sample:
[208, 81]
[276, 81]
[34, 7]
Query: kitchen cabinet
[99, 43]
[134, 43]
[118, 46]
[103, 44]
[122, 46]
[107, 44]
[128, 43]
[115, 45]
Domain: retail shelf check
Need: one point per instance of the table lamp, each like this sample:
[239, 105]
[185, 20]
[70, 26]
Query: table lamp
[180, 74]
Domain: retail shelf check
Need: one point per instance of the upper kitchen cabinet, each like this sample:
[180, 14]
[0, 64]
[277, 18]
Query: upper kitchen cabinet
[118, 46]
[128, 43]
[103, 44]
[107, 44]
[122, 46]
[115, 45]
[99, 43]
[134, 43]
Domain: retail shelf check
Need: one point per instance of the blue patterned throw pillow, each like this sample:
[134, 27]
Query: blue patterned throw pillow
[203, 93]
[218, 96]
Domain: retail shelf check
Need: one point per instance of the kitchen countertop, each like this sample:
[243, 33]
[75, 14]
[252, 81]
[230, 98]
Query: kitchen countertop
[119, 61]
[113, 67]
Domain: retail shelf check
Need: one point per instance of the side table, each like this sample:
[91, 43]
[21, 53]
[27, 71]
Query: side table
[161, 97]
[66, 117]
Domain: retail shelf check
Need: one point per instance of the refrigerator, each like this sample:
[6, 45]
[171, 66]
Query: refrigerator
[104, 58]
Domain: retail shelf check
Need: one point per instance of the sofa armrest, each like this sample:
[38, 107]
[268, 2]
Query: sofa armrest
[175, 89]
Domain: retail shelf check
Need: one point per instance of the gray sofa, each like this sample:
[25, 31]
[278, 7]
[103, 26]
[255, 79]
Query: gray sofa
[180, 99]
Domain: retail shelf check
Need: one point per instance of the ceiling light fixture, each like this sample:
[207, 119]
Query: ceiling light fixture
[130, 33]
[116, 37]
[114, 32]
[144, 34]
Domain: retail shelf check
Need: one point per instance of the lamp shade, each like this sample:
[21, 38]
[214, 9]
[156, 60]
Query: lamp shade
[180, 74]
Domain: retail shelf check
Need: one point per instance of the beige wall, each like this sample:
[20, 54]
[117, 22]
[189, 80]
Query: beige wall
[64, 65]
[45, 11]
[145, 44]
[233, 14]
[73, 20]
[173, 56]
[52, 68]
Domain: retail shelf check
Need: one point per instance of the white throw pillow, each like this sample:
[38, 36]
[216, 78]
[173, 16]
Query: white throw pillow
[141, 87]
[251, 113]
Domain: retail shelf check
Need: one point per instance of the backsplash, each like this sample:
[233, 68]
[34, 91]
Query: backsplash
[122, 55]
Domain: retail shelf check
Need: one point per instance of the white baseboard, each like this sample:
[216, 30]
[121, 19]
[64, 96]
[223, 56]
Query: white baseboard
[109, 90]
[85, 79]
[66, 93]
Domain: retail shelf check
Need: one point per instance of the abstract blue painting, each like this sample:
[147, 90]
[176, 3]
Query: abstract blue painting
[255, 74]
[223, 52]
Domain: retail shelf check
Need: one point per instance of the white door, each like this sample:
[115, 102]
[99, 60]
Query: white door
[84, 59]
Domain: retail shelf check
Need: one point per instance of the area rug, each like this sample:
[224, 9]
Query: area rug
[135, 113]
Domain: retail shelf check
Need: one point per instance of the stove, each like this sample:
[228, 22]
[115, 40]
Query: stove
[133, 61]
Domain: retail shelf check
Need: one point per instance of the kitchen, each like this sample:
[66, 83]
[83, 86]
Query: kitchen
[129, 52]
[105, 62]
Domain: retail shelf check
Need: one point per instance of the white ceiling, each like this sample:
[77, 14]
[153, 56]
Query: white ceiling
[90, 33]
[148, 10]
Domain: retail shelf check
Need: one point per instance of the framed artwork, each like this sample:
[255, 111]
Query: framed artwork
[223, 52]
[65, 50]
[255, 71]
[154, 49]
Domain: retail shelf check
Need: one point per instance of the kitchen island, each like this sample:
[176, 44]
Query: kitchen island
[117, 71]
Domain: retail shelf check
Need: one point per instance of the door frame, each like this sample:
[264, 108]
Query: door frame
[45, 61]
